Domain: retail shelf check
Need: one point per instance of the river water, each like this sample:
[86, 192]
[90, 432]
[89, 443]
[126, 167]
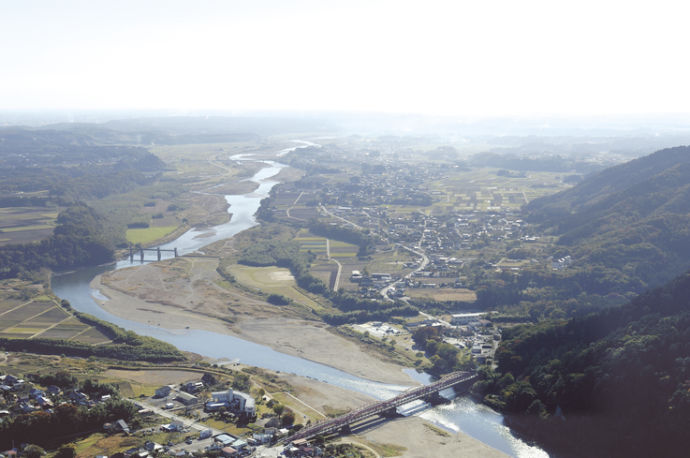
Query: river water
[460, 414]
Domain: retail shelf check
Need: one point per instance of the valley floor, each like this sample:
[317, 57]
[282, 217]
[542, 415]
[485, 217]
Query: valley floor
[265, 324]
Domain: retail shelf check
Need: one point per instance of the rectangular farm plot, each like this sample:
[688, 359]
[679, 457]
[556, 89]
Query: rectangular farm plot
[26, 224]
[23, 313]
[304, 213]
[50, 317]
[340, 249]
[442, 294]
[316, 245]
[21, 330]
[93, 336]
[65, 330]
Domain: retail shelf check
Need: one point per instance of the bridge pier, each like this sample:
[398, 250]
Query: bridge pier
[141, 251]
[434, 398]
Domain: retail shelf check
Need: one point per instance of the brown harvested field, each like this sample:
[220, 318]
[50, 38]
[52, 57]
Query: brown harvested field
[286, 198]
[442, 294]
[23, 313]
[8, 304]
[305, 213]
[92, 336]
[324, 271]
[153, 377]
[51, 316]
[65, 330]
[26, 224]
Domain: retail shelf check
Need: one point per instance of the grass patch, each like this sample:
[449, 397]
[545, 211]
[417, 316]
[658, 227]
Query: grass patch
[272, 280]
[100, 444]
[436, 430]
[149, 234]
[388, 449]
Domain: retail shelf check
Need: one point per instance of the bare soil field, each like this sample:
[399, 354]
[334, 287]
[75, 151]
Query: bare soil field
[442, 294]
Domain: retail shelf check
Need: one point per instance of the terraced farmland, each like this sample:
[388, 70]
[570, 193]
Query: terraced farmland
[45, 319]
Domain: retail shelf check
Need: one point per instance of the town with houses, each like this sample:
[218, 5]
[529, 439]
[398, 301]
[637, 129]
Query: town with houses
[175, 409]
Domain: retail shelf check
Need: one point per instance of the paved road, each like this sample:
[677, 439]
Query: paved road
[422, 266]
[187, 422]
[329, 213]
[336, 283]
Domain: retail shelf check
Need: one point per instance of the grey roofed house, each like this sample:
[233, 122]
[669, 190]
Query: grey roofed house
[186, 398]
[225, 439]
[122, 425]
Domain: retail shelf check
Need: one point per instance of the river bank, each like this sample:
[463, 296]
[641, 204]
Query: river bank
[219, 324]
[263, 324]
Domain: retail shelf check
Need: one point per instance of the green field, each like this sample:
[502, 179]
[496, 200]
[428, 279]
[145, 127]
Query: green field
[149, 234]
[316, 245]
[272, 280]
[341, 250]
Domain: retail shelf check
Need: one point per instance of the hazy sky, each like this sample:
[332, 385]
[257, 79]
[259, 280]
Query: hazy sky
[438, 57]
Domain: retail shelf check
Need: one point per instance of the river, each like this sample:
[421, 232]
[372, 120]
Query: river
[460, 414]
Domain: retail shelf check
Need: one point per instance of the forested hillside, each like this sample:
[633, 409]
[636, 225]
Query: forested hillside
[67, 166]
[615, 383]
[634, 218]
[76, 241]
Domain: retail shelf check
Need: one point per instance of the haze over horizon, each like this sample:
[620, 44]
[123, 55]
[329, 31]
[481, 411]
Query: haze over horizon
[437, 58]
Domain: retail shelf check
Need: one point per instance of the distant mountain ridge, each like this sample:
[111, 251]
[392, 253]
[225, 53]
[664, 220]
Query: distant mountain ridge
[634, 217]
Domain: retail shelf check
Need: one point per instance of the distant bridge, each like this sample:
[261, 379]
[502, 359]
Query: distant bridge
[384, 408]
[158, 251]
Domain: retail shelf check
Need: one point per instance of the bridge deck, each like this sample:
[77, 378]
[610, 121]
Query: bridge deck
[377, 408]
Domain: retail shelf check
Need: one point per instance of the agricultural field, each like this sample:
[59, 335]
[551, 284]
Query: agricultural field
[147, 235]
[482, 189]
[316, 245]
[304, 213]
[26, 313]
[391, 262]
[340, 250]
[325, 271]
[26, 224]
[442, 294]
[273, 280]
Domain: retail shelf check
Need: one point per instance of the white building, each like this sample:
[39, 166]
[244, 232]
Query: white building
[235, 400]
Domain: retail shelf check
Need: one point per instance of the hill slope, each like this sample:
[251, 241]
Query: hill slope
[620, 377]
[634, 217]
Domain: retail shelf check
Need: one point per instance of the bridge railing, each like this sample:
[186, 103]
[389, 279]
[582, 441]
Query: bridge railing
[334, 424]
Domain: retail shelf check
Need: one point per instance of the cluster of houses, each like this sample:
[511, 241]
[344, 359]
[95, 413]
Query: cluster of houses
[230, 400]
[22, 397]
[467, 331]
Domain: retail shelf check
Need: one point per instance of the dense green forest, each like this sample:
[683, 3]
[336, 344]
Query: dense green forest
[77, 240]
[613, 383]
[633, 218]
